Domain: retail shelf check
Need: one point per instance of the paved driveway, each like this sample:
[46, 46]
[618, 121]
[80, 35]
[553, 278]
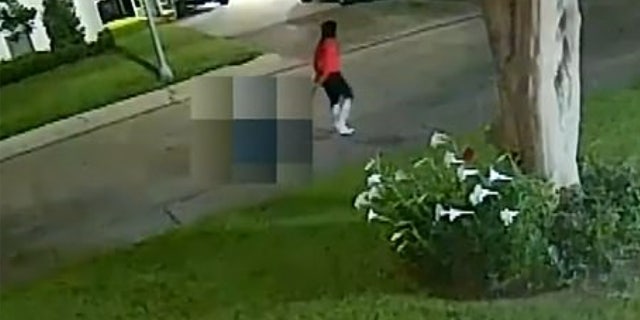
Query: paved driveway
[242, 16]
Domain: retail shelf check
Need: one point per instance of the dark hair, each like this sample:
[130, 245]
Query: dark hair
[328, 29]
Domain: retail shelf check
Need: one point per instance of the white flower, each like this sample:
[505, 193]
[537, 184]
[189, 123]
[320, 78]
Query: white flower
[420, 162]
[402, 246]
[455, 213]
[370, 164]
[451, 212]
[374, 192]
[397, 235]
[450, 159]
[403, 223]
[552, 251]
[497, 176]
[438, 139]
[507, 215]
[464, 173]
[372, 215]
[401, 176]
[374, 179]
[362, 200]
[502, 157]
[439, 212]
[479, 193]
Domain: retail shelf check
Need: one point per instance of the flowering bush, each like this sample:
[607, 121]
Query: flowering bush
[445, 213]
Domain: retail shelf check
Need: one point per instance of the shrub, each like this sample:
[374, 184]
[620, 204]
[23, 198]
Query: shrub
[39, 62]
[62, 25]
[104, 43]
[508, 230]
[16, 18]
[602, 219]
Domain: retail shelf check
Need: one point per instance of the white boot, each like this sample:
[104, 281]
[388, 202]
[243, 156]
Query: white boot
[335, 113]
[345, 110]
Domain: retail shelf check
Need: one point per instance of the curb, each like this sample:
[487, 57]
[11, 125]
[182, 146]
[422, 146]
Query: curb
[93, 120]
[83, 123]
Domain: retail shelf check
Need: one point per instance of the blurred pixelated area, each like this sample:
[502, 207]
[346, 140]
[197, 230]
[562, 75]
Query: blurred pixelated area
[251, 130]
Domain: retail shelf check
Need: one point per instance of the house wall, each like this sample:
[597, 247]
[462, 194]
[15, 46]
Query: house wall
[5, 54]
[86, 10]
[39, 36]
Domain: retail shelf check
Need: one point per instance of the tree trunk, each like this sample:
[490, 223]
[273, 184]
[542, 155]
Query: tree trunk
[559, 90]
[536, 44]
[499, 17]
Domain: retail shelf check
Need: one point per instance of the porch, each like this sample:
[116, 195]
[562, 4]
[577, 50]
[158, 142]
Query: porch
[111, 10]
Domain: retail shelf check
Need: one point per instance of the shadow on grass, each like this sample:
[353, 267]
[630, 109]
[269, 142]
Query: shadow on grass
[149, 66]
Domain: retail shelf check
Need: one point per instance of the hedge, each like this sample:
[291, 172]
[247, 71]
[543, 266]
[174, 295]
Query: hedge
[40, 62]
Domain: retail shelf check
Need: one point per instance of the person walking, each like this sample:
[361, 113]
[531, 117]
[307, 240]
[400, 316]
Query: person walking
[329, 76]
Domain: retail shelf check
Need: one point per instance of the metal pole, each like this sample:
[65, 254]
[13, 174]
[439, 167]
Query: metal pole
[164, 70]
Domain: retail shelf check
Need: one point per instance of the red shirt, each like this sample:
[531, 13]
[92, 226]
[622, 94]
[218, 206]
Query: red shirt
[327, 58]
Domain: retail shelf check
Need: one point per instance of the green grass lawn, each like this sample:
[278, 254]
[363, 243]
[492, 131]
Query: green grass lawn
[611, 125]
[302, 256]
[97, 81]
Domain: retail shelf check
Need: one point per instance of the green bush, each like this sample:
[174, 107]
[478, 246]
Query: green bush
[105, 42]
[599, 224]
[62, 25]
[491, 225]
[39, 62]
[16, 18]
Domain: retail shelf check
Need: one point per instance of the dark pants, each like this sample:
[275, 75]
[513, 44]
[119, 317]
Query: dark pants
[336, 87]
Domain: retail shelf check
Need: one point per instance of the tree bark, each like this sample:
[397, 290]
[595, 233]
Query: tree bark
[559, 90]
[499, 17]
[536, 45]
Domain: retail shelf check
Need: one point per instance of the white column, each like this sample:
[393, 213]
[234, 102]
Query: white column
[39, 36]
[5, 53]
[87, 12]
